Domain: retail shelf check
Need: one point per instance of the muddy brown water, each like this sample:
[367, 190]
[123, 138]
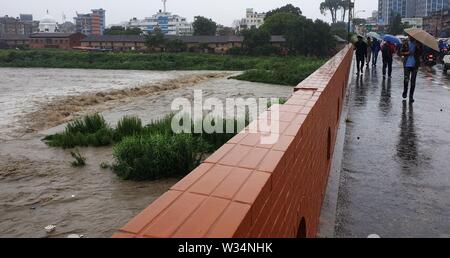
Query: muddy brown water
[38, 187]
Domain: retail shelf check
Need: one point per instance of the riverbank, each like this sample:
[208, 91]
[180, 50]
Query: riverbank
[38, 185]
[289, 70]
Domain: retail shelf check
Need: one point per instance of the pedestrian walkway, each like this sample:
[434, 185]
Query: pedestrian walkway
[395, 180]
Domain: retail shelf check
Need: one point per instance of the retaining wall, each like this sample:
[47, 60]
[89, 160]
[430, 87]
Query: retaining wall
[247, 189]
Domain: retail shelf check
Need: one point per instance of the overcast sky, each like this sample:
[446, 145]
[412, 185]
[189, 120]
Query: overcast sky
[221, 11]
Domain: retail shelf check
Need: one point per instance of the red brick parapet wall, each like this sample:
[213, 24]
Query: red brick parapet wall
[246, 189]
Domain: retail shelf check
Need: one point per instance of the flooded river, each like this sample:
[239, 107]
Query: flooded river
[38, 187]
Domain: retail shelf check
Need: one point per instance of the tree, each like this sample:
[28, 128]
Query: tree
[155, 39]
[344, 6]
[119, 30]
[204, 26]
[254, 38]
[339, 29]
[332, 6]
[225, 31]
[289, 8]
[176, 45]
[303, 36]
[395, 25]
[280, 23]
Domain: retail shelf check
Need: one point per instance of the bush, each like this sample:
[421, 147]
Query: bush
[128, 126]
[156, 156]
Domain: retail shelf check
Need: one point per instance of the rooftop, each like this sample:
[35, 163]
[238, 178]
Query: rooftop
[186, 39]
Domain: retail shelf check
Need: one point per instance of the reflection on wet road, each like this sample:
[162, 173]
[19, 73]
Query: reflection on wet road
[395, 180]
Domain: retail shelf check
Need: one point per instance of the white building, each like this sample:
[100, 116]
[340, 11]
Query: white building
[252, 20]
[413, 22]
[169, 24]
[48, 24]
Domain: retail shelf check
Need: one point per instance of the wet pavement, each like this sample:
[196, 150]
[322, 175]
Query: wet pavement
[395, 180]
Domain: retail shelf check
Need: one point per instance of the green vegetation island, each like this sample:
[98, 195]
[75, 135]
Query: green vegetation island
[282, 70]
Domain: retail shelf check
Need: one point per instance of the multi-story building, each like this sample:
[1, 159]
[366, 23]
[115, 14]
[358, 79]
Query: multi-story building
[23, 25]
[438, 24]
[91, 23]
[429, 7]
[388, 8]
[409, 8]
[66, 27]
[416, 22]
[10, 25]
[252, 20]
[169, 24]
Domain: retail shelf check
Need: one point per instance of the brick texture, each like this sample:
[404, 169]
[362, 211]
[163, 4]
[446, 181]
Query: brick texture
[247, 189]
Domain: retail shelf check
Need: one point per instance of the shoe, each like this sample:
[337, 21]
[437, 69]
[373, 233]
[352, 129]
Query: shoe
[405, 95]
[411, 100]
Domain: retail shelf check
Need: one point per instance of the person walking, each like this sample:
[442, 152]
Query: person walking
[361, 52]
[369, 50]
[411, 66]
[387, 51]
[376, 48]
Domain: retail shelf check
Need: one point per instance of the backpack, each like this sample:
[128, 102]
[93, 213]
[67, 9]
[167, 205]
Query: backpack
[386, 50]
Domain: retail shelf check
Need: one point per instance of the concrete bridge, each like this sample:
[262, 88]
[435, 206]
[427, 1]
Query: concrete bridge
[352, 160]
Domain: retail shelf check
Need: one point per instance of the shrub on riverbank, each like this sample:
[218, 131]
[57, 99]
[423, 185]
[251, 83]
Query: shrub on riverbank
[269, 69]
[285, 73]
[143, 153]
[154, 156]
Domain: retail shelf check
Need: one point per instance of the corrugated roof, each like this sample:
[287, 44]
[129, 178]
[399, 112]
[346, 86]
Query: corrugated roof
[114, 38]
[186, 39]
[14, 37]
[51, 35]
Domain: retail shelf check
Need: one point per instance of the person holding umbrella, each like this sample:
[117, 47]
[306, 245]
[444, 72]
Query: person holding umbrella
[411, 66]
[361, 53]
[387, 51]
[417, 37]
[376, 47]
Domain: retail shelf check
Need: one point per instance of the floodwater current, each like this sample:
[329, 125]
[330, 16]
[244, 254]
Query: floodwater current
[38, 186]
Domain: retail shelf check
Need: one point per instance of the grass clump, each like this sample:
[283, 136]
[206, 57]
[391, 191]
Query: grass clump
[157, 156]
[79, 161]
[127, 126]
[91, 130]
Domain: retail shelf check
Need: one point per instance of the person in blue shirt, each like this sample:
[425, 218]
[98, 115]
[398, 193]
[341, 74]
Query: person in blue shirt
[411, 65]
[376, 47]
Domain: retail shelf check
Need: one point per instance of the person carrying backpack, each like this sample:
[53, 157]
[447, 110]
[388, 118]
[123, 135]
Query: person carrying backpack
[387, 51]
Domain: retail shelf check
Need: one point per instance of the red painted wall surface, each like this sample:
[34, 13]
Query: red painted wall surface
[246, 189]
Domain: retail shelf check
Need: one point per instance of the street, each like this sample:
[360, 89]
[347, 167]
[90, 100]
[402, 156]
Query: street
[395, 179]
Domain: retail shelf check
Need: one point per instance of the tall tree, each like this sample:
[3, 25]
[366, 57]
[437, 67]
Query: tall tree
[155, 39]
[395, 25]
[332, 6]
[254, 38]
[344, 7]
[204, 26]
[289, 8]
